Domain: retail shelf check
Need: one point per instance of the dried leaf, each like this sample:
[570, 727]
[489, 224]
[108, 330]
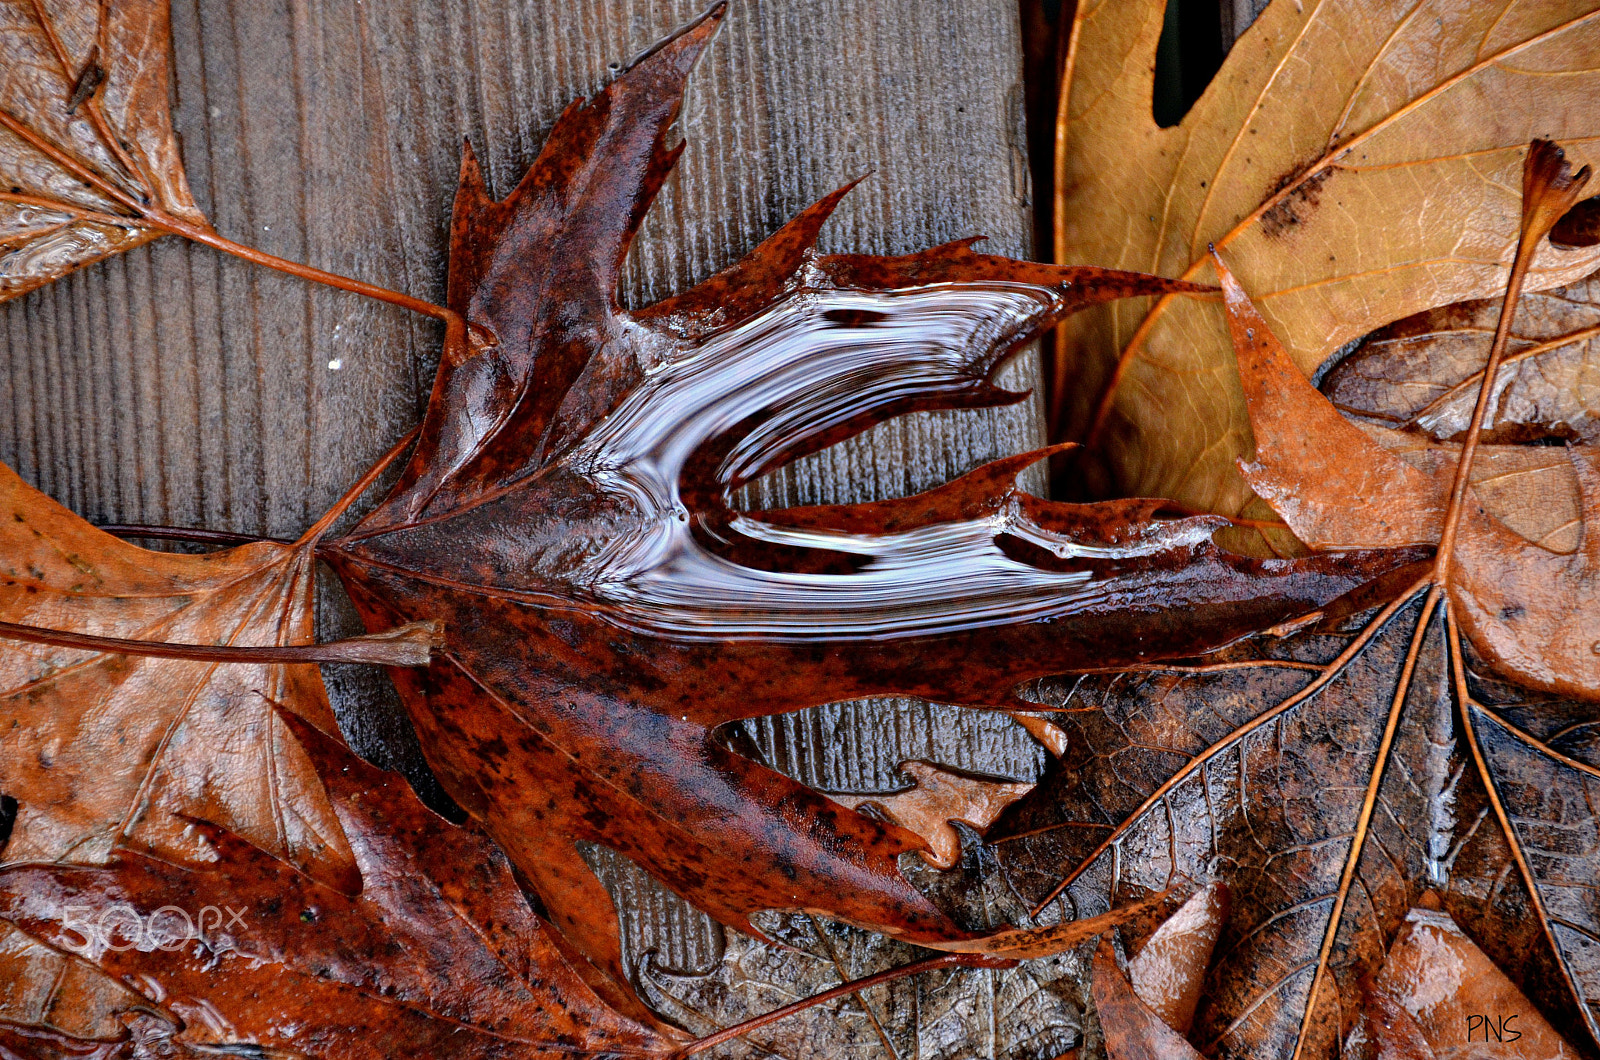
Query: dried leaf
[439, 956]
[568, 515]
[936, 799]
[89, 165]
[105, 751]
[1356, 163]
[1422, 373]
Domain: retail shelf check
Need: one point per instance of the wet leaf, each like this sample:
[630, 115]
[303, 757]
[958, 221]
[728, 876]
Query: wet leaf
[89, 165]
[1355, 162]
[1437, 994]
[1532, 489]
[936, 799]
[1025, 1013]
[1169, 970]
[438, 956]
[1133, 1031]
[568, 514]
[51, 999]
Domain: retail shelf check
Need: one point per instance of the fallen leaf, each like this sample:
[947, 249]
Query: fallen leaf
[1169, 970]
[1531, 612]
[438, 956]
[567, 515]
[1265, 776]
[1355, 162]
[1332, 781]
[936, 799]
[1442, 994]
[1133, 1031]
[1422, 373]
[49, 998]
[89, 165]
[955, 1013]
[1532, 489]
[103, 751]
[1412, 386]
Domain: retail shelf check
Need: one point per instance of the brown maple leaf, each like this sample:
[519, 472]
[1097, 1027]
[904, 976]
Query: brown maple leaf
[568, 515]
[103, 750]
[438, 956]
[1331, 781]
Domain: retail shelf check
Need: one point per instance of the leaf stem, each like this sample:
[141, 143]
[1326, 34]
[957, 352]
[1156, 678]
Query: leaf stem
[455, 325]
[1549, 189]
[410, 645]
[945, 960]
[143, 214]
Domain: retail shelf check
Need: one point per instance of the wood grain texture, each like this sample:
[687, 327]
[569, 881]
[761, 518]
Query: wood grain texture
[175, 386]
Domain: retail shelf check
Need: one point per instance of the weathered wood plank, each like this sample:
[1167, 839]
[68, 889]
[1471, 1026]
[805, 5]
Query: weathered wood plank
[175, 386]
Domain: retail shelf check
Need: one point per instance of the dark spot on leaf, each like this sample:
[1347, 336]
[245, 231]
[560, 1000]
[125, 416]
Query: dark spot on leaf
[91, 78]
[1297, 206]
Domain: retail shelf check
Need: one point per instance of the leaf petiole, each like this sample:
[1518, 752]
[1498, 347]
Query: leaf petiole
[409, 645]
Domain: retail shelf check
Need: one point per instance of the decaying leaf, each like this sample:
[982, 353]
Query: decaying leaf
[1334, 780]
[103, 751]
[439, 956]
[1356, 163]
[89, 166]
[1438, 995]
[1263, 775]
[936, 799]
[949, 1014]
[567, 515]
[1422, 373]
